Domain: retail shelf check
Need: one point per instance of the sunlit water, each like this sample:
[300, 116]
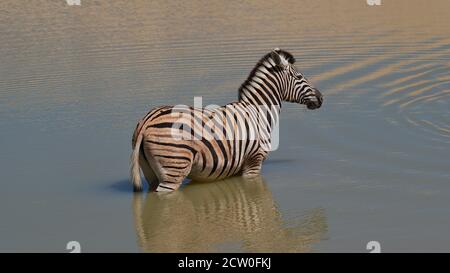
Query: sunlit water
[372, 164]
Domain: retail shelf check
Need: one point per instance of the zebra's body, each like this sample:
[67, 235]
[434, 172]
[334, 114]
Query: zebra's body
[174, 142]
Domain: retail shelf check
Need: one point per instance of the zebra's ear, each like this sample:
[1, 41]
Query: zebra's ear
[278, 59]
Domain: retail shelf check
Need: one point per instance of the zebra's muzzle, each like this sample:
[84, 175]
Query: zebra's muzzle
[316, 101]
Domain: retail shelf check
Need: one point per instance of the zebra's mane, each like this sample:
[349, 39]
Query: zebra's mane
[267, 58]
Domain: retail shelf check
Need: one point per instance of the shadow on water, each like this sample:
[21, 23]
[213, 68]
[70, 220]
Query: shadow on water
[230, 215]
[121, 186]
[279, 161]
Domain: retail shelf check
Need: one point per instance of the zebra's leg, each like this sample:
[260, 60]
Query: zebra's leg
[170, 162]
[252, 167]
[172, 178]
[171, 172]
[149, 174]
[169, 183]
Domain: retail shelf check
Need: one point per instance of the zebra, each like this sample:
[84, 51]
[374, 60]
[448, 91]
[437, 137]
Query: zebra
[172, 143]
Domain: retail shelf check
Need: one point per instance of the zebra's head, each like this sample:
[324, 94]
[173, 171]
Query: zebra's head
[294, 86]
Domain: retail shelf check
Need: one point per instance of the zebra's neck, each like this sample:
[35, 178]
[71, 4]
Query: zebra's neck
[262, 88]
[262, 92]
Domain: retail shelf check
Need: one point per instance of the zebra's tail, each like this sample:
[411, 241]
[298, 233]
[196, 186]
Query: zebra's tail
[135, 174]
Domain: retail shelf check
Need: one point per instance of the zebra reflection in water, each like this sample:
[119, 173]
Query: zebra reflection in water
[237, 213]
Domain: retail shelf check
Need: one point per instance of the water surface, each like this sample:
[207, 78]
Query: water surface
[372, 164]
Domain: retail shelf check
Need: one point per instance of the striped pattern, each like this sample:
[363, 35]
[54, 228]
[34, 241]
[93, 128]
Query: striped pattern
[236, 210]
[174, 142]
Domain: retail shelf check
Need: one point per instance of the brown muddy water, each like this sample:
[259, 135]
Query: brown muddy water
[373, 164]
